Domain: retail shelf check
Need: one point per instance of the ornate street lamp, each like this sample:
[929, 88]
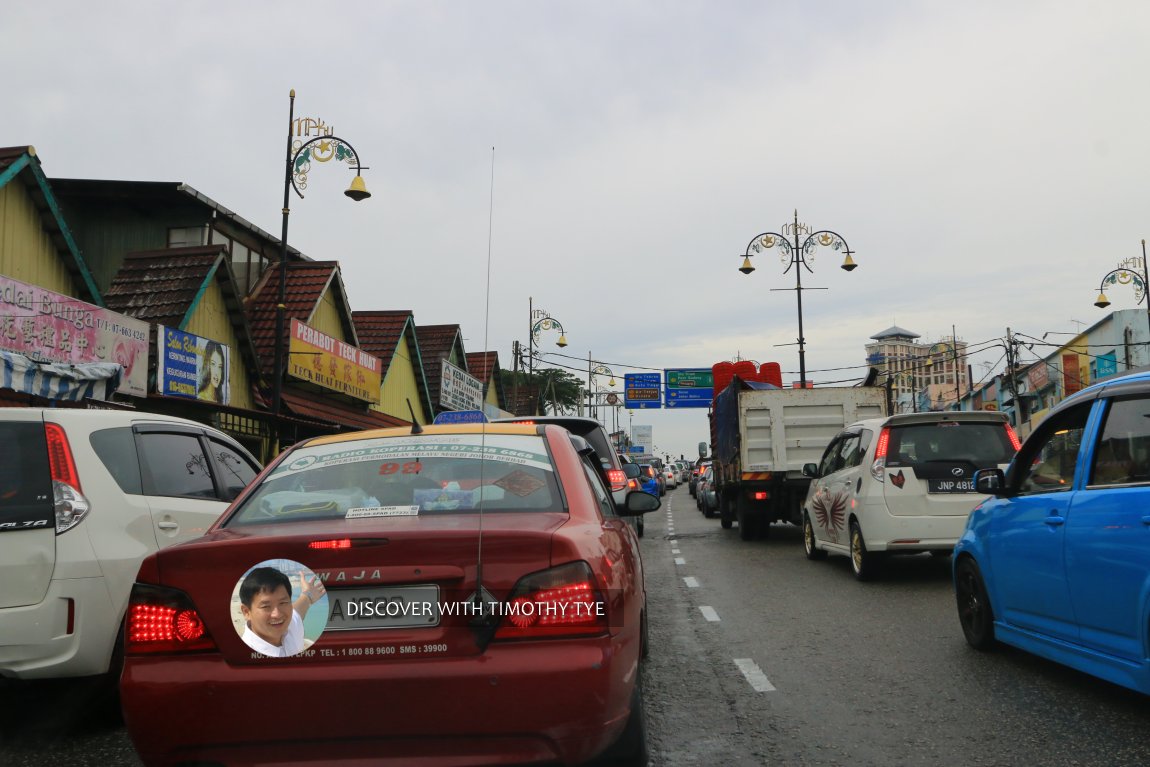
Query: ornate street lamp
[540, 321]
[1133, 270]
[300, 154]
[798, 254]
[594, 369]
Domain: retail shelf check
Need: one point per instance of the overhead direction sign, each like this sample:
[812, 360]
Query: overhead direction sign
[641, 390]
[689, 387]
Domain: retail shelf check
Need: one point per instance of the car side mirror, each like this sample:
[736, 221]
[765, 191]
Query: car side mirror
[638, 503]
[989, 481]
[810, 470]
[631, 470]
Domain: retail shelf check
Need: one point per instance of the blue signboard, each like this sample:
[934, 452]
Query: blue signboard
[689, 387]
[460, 416]
[192, 367]
[641, 390]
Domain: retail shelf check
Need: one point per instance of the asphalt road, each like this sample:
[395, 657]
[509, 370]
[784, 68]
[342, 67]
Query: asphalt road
[849, 673]
[759, 657]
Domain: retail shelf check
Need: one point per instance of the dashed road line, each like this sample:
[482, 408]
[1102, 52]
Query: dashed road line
[754, 675]
[691, 581]
[680, 561]
[709, 613]
[676, 551]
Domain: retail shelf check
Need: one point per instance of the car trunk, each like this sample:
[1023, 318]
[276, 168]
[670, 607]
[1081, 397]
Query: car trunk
[930, 466]
[420, 572]
[27, 512]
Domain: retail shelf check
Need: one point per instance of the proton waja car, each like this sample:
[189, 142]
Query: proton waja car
[900, 485]
[1058, 561]
[472, 596]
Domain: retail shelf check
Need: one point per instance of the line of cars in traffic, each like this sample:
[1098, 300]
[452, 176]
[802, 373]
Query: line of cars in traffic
[484, 575]
[1050, 538]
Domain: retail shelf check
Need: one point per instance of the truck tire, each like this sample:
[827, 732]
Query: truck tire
[725, 512]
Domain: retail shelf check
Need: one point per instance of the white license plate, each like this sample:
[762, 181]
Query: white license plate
[950, 486]
[382, 607]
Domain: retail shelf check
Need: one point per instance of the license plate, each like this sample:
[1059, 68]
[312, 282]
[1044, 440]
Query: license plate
[950, 485]
[382, 607]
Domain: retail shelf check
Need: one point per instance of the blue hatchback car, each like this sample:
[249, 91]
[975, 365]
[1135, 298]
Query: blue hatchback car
[1058, 561]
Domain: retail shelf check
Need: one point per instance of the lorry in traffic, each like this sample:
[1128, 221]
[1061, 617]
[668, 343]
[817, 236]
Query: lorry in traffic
[761, 435]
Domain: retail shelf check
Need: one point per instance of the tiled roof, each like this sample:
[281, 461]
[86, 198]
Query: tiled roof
[894, 331]
[160, 286]
[379, 331]
[327, 410]
[435, 344]
[306, 283]
[485, 367]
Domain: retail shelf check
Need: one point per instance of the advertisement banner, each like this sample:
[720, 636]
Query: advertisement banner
[192, 367]
[458, 390]
[641, 438]
[328, 362]
[1039, 376]
[51, 327]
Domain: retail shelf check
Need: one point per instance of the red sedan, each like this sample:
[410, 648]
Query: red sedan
[463, 595]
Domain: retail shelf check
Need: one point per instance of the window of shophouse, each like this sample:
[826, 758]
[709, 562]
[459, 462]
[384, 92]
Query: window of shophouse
[187, 236]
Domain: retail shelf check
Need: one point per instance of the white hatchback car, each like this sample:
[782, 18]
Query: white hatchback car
[901, 484]
[85, 495]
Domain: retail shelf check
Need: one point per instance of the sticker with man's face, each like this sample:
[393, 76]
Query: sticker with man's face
[279, 608]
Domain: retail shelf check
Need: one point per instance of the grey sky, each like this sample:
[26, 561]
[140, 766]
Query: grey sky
[983, 159]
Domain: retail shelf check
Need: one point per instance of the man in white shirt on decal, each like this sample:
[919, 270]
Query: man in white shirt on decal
[274, 622]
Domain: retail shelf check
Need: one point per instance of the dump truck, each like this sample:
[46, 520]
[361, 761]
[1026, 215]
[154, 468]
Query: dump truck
[761, 435]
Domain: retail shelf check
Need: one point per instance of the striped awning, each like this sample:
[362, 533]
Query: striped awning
[57, 380]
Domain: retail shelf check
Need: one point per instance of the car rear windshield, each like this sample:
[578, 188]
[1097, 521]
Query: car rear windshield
[982, 444]
[25, 478]
[407, 476]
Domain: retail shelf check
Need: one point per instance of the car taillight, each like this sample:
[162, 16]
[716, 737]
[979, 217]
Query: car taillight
[561, 602]
[68, 501]
[1013, 436]
[163, 620]
[335, 543]
[879, 462]
[617, 479]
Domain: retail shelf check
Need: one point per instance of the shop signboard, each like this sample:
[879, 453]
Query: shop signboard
[318, 358]
[458, 390]
[192, 367]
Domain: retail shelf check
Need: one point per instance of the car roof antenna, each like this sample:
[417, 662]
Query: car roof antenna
[415, 427]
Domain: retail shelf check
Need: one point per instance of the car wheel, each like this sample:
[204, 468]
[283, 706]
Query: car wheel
[708, 510]
[864, 563]
[725, 512]
[644, 636]
[630, 750]
[639, 527]
[748, 526]
[941, 553]
[809, 548]
[974, 611]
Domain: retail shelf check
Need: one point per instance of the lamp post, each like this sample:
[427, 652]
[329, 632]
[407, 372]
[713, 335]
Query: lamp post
[540, 321]
[798, 254]
[594, 369]
[300, 153]
[1133, 270]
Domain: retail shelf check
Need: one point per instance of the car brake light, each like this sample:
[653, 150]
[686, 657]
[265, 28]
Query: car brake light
[617, 479]
[1013, 435]
[69, 503]
[561, 602]
[338, 543]
[880, 448]
[164, 620]
[760, 495]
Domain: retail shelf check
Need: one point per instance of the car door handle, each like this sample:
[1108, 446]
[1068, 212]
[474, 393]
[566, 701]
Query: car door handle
[1055, 521]
[167, 525]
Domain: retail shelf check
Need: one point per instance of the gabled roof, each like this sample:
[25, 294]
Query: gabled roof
[21, 165]
[379, 335]
[436, 343]
[894, 331]
[307, 282]
[166, 286]
[485, 367]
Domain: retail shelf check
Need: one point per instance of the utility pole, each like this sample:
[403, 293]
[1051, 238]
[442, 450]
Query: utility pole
[1011, 367]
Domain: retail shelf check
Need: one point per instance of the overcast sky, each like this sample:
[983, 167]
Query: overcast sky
[987, 162]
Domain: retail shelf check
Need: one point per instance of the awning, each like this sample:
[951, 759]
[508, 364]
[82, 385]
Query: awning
[331, 412]
[59, 380]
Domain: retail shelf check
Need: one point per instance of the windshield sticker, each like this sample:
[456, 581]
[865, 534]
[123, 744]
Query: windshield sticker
[520, 483]
[383, 511]
[279, 608]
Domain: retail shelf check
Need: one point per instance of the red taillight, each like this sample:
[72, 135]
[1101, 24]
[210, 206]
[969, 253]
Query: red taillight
[617, 479]
[561, 602]
[760, 495]
[1013, 438]
[882, 444]
[60, 460]
[337, 543]
[162, 620]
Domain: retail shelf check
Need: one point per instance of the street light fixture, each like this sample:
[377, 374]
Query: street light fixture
[540, 321]
[798, 254]
[594, 369]
[300, 153]
[1132, 270]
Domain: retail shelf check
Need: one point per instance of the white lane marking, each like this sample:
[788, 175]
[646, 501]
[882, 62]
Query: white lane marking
[709, 613]
[676, 551]
[680, 561]
[755, 676]
[673, 542]
[691, 581]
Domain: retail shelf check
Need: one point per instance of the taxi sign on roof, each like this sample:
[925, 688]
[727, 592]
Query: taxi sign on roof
[460, 416]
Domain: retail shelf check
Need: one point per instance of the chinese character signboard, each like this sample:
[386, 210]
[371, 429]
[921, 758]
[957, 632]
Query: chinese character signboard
[192, 367]
[51, 327]
[458, 390]
[328, 362]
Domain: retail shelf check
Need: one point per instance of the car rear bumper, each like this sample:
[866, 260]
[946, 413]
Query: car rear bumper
[35, 642]
[884, 531]
[563, 701]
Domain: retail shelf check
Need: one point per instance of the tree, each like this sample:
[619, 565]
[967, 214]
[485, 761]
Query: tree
[560, 391]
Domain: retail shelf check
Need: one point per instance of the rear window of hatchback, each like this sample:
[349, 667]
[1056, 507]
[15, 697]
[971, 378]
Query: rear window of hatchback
[982, 444]
[407, 476]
